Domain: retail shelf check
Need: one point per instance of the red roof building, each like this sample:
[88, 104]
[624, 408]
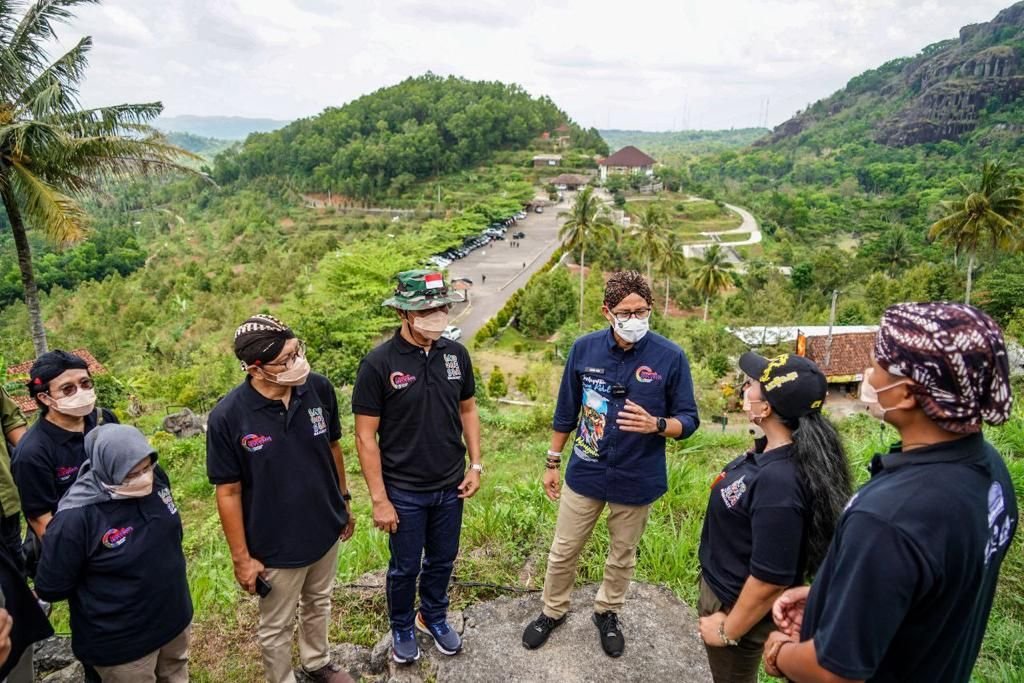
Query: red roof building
[627, 160]
[850, 354]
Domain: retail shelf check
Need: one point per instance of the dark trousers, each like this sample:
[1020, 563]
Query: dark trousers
[10, 536]
[739, 663]
[424, 546]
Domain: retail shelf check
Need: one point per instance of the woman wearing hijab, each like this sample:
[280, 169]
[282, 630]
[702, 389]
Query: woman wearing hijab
[905, 591]
[113, 550]
[771, 513]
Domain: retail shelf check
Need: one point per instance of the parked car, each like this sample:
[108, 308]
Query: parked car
[452, 332]
[518, 235]
[539, 209]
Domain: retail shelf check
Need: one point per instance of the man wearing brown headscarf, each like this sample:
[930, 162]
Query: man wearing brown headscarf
[905, 591]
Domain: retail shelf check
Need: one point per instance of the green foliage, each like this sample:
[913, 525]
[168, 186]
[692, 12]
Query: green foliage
[676, 147]
[380, 143]
[496, 385]
[547, 303]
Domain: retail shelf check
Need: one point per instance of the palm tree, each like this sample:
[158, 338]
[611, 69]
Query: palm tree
[985, 216]
[651, 228]
[671, 263]
[52, 151]
[586, 220]
[712, 275]
[897, 252]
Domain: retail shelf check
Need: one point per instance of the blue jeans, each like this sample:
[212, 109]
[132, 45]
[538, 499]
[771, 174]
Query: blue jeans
[424, 546]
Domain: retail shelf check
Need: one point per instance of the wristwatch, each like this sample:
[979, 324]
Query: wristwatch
[662, 425]
[478, 467]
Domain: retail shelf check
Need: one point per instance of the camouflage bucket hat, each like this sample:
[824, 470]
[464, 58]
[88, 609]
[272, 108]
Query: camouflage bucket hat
[419, 290]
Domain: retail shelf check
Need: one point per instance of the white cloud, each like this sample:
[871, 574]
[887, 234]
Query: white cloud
[645, 64]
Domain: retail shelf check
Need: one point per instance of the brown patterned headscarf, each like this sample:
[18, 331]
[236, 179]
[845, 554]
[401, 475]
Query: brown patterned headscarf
[956, 355]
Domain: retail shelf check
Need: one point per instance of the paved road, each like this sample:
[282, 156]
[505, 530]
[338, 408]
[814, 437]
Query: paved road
[503, 267]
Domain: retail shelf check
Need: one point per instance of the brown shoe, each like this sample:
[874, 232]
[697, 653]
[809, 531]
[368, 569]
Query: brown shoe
[332, 673]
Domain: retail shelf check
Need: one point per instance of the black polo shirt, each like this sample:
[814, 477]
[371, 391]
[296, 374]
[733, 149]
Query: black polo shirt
[291, 501]
[755, 524]
[120, 566]
[905, 591]
[46, 461]
[416, 395]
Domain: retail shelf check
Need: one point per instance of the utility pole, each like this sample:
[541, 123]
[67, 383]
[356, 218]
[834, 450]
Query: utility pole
[831, 323]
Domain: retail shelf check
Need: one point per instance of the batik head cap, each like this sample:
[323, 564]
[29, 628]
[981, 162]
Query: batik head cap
[260, 339]
[956, 356]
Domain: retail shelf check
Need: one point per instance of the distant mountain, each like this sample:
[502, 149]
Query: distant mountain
[968, 88]
[673, 147]
[218, 127]
[206, 147]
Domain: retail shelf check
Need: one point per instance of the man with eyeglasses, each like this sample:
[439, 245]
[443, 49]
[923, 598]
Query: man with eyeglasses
[273, 452]
[416, 417]
[624, 391]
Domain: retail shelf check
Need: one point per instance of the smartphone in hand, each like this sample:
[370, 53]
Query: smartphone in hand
[263, 587]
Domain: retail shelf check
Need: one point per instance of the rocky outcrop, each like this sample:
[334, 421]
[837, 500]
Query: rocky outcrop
[940, 94]
[661, 645]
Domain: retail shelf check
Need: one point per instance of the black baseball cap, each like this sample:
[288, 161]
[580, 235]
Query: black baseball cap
[792, 385]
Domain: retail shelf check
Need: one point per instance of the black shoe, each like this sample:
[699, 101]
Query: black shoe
[536, 634]
[611, 633]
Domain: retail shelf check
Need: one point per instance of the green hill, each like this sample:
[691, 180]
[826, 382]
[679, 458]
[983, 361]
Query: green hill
[382, 143]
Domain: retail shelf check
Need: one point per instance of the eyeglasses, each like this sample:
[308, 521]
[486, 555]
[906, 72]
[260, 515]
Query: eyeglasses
[300, 352]
[640, 314]
[132, 476]
[70, 389]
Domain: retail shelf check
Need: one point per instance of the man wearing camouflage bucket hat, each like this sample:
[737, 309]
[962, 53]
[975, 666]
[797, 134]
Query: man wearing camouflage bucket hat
[415, 419]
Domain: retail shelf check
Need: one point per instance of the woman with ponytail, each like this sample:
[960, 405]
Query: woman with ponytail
[771, 515]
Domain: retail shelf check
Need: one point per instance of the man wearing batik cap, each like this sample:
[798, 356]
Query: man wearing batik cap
[906, 588]
[415, 420]
[273, 452]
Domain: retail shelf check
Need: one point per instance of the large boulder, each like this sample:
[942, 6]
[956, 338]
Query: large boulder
[184, 424]
[661, 645]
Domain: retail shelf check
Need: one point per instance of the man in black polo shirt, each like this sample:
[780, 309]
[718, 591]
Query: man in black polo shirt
[415, 393]
[907, 585]
[273, 452]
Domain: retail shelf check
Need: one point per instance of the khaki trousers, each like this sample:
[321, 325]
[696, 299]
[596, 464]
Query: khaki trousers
[577, 516]
[739, 663]
[310, 589]
[169, 664]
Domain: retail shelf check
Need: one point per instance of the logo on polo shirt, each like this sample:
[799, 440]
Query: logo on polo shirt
[1000, 525]
[451, 364]
[646, 375]
[165, 496]
[732, 493]
[255, 442]
[316, 418]
[115, 537]
[401, 380]
[66, 473]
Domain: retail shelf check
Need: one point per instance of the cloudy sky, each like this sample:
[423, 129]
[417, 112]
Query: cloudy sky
[647, 64]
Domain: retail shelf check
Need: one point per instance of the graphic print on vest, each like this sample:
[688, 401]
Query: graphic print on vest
[66, 473]
[999, 523]
[732, 493]
[255, 442]
[401, 380]
[593, 418]
[115, 538]
[165, 496]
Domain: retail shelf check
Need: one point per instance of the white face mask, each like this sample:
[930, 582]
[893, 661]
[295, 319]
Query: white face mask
[869, 395]
[632, 330]
[431, 326]
[79, 404]
[292, 377]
